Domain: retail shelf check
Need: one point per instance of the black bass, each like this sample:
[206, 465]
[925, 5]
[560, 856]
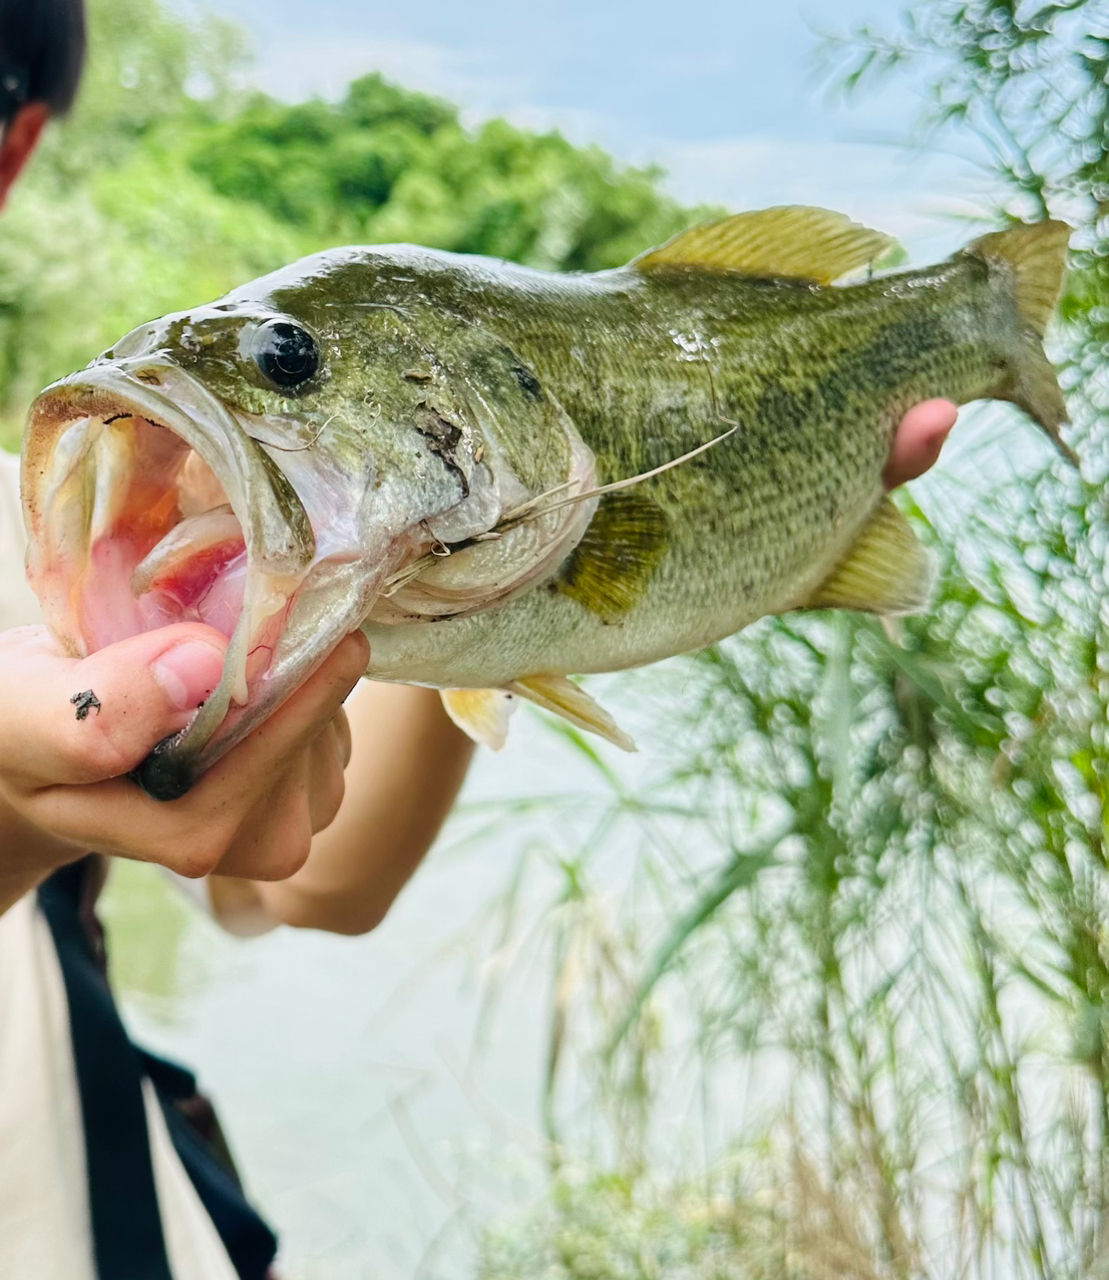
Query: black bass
[505, 476]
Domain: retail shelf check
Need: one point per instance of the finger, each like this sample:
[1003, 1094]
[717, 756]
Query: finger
[193, 835]
[276, 837]
[262, 837]
[77, 721]
[918, 441]
[118, 819]
[341, 725]
[312, 726]
[327, 783]
[296, 724]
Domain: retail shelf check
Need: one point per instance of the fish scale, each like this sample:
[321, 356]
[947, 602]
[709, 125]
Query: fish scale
[817, 380]
[452, 453]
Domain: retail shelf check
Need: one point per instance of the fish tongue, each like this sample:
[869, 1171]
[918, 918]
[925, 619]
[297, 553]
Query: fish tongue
[193, 548]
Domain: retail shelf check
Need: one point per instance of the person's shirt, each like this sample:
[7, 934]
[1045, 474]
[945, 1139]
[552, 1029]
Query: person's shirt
[45, 1231]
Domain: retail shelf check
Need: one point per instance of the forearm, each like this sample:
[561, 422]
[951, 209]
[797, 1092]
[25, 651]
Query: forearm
[27, 856]
[407, 764]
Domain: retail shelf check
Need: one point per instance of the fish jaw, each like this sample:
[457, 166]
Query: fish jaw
[120, 465]
[148, 501]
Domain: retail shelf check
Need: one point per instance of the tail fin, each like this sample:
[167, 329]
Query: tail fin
[1036, 256]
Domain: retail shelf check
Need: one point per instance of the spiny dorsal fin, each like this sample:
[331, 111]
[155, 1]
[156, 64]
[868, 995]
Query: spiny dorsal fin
[887, 570]
[789, 242]
[571, 702]
[611, 566]
[481, 714]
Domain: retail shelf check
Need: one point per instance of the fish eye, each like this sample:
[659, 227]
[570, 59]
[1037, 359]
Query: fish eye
[286, 354]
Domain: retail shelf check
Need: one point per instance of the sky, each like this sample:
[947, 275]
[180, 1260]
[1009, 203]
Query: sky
[725, 96]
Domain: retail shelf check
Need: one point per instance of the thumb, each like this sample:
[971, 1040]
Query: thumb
[918, 440]
[66, 721]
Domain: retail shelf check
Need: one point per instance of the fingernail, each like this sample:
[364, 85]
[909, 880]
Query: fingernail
[189, 673]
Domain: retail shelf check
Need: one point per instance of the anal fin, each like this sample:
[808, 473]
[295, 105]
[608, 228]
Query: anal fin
[561, 696]
[481, 714]
[887, 571]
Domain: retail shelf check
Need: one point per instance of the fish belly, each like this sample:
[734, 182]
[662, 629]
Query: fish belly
[693, 601]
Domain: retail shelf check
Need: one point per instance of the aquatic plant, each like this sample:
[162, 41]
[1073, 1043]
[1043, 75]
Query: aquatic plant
[863, 957]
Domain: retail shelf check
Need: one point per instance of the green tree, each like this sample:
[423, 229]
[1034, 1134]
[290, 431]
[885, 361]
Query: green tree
[170, 184]
[111, 225]
[388, 164]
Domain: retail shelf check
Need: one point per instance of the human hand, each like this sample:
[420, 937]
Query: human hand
[63, 789]
[918, 441]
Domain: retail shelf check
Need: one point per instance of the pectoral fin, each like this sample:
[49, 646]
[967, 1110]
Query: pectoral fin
[571, 702]
[611, 567]
[887, 570]
[482, 714]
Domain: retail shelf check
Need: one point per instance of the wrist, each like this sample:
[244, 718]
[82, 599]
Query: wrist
[27, 854]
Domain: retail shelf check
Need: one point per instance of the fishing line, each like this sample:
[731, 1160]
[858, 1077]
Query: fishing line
[300, 448]
[524, 513]
[517, 516]
[534, 510]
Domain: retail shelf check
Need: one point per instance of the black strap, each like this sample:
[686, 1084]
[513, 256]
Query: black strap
[127, 1234]
[196, 1135]
[126, 1222]
[14, 89]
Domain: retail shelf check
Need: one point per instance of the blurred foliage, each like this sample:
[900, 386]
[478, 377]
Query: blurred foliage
[882, 890]
[171, 183]
[386, 164]
[602, 1229]
[875, 877]
[155, 954]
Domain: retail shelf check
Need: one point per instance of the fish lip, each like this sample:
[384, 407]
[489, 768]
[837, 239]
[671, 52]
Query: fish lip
[277, 544]
[277, 532]
[166, 776]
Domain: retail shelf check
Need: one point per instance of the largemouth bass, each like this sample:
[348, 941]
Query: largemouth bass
[506, 476]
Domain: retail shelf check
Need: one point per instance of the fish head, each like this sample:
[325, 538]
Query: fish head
[267, 465]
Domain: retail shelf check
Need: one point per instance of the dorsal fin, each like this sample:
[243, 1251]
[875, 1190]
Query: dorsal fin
[788, 242]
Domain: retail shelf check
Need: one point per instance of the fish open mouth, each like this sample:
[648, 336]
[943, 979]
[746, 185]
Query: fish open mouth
[150, 502]
[147, 533]
[149, 505]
